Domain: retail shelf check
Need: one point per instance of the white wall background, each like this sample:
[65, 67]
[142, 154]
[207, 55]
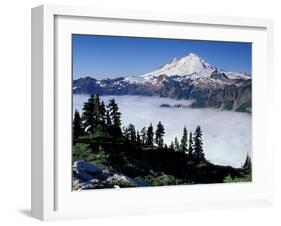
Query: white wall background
[15, 111]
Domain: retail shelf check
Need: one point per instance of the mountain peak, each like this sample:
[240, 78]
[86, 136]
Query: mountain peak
[192, 58]
[193, 55]
[187, 65]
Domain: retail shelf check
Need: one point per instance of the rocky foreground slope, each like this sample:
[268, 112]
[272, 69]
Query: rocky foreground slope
[89, 176]
[190, 77]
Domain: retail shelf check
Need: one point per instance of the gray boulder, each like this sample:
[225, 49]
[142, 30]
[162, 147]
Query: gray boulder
[89, 176]
[83, 185]
[82, 175]
[120, 180]
[82, 165]
[104, 175]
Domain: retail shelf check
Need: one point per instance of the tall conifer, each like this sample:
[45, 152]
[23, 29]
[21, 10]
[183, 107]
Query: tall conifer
[89, 115]
[150, 135]
[159, 134]
[115, 118]
[132, 133]
[78, 129]
[198, 144]
[183, 145]
[177, 145]
[143, 135]
[190, 145]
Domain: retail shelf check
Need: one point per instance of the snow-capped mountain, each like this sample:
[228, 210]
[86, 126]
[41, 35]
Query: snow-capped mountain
[189, 77]
[190, 65]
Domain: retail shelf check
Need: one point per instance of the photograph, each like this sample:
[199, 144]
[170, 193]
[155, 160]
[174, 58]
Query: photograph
[149, 111]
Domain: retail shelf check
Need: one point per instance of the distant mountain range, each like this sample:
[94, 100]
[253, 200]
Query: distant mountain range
[190, 77]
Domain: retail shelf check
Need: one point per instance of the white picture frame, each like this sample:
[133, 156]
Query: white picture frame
[52, 197]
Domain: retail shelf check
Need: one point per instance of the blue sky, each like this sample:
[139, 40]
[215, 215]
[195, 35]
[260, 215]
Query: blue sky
[112, 56]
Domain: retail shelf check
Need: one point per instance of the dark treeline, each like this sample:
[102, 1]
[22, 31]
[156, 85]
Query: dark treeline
[100, 119]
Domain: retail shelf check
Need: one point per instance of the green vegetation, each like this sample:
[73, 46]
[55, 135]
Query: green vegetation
[143, 155]
[246, 174]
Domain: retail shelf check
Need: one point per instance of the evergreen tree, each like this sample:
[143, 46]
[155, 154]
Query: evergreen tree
[190, 145]
[97, 110]
[94, 114]
[177, 145]
[78, 129]
[248, 165]
[183, 145]
[132, 133]
[115, 118]
[159, 134]
[108, 119]
[138, 138]
[89, 115]
[198, 144]
[150, 135]
[103, 115]
[143, 135]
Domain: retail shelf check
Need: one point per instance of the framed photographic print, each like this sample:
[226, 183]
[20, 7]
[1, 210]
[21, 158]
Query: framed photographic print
[139, 112]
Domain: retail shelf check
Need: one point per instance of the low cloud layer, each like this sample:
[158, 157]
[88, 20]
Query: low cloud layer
[226, 134]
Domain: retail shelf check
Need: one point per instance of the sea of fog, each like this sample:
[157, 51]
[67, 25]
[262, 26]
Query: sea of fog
[226, 134]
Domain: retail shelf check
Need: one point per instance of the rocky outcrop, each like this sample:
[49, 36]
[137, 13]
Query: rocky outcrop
[89, 176]
[231, 97]
[82, 165]
[85, 171]
[215, 91]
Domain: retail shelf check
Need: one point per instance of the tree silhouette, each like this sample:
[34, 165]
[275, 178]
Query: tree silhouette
[159, 134]
[103, 116]
[115, 118]
[108, 119]
[89, 115]
[78, 129]
[198, 144]
[150, 135]
[138, 138]
[132, 133]
[143, 135]
[97, 110]
[183, 145]
[247, 166]
[190, 145]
